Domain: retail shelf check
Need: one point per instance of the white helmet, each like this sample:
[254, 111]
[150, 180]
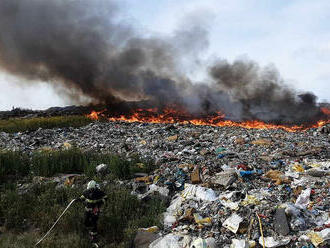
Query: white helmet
[92, 185]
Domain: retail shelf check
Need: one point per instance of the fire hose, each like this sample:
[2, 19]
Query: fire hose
[55, 222]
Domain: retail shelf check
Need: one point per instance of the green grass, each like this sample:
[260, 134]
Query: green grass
[38, 208]
[13, 164]
[48, 163]
[28, 240]
[15, 125]
[26, 215]
[74, 160]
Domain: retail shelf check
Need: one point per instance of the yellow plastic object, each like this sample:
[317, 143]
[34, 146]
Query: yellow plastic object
[151, 229]
[315, 238]
[67, 145]
[261, 231]
[200, 220]
[250, 200]
[298, 168]
[315, 165]
[156, 179]
[252, 244]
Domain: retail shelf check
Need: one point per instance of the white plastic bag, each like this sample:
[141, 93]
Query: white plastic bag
[171, 241]
[232, 223]
[303, 199]
[239, 243]
[270, 242]
[198, 193]
[205, 194]
[169, 215]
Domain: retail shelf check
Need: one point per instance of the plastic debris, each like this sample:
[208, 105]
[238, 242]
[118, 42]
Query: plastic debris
[221, 155]
[270, 242]
[278, 177]
[303, 199]
[236, 243]
[220, 150]
[315, 172]
[145, 179]
[250, 173]
[149, 229]
[225, 178]
[250, 200]
[171, 241]
[233, 222]
[66, 145]
[153, 189]
[230, 204]
[240, 172]
[198, 193]
[203, 243]
[318, 238]
[101, 168]
[200, 220]
[315, 238]
[199, 243]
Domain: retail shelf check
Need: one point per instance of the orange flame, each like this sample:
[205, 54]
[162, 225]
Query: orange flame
[95, 115]
[180, 117]
[325, 111]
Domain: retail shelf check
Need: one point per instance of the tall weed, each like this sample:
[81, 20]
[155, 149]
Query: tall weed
[15, 125]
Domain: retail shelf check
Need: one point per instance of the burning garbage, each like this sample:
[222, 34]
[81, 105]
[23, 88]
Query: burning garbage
[269, 190]
[243, 160]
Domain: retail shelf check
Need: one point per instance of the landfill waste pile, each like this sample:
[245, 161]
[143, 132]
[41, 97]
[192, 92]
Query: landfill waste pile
[53, 111]
[225, 186]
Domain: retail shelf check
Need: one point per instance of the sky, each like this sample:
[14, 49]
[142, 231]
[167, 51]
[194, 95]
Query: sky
[292, 35]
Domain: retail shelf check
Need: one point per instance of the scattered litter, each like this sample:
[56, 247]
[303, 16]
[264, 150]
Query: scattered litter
[270, 242]
[239, 243]
[303, 199]
[214, 179]
[232, 223]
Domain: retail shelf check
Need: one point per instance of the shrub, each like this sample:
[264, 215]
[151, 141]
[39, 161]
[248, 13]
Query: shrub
[14, 164]
[42, 204]
[20, 125]
[28, 240]
[48, 163]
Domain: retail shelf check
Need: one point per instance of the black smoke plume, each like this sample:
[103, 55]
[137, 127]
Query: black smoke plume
[83, 46]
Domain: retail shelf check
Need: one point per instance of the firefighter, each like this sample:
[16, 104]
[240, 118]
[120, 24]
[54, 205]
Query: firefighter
[93, 198]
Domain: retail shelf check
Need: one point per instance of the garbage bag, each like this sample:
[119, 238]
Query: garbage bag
[198, 193]
[270, 242]
[171, 241]
[199, 243]
[203, 243]
[303, 199]
[169, 215]
[205, 194]
[236, 243]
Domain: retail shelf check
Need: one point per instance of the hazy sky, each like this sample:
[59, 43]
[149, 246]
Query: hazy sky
[294, 35]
